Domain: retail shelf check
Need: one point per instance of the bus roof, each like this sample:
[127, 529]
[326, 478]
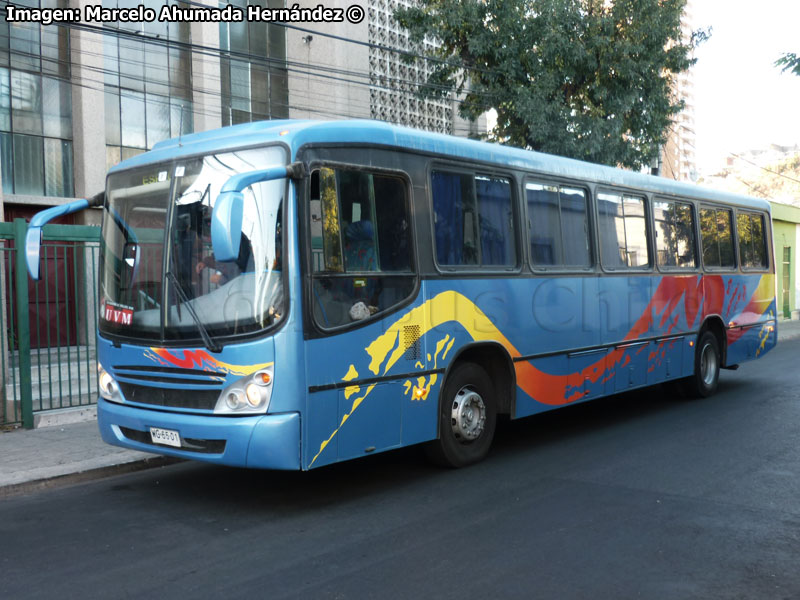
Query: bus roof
[297, 133]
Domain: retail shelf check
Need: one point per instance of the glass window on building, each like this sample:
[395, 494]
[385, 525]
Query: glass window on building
[147, 83]
[253, 69]
[36, 107]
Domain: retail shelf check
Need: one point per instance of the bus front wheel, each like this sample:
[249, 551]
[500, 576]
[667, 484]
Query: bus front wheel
[707, 363]
[467, 418]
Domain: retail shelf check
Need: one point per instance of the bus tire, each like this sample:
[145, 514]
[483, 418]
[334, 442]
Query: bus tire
[467, 418]
[707, 363]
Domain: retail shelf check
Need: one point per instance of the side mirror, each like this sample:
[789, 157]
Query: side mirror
[33, 238]
[226, 226]
[226, 218]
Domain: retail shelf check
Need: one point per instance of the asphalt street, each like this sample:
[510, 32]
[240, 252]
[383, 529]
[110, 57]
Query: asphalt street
[635, 496]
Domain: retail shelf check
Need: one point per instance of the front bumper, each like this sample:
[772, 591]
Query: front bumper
[259, 441]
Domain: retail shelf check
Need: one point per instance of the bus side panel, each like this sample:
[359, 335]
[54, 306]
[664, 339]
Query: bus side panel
[665, 360]
[552, 314]
[370, 388]
[624, 308]
[376, 423]
[320, 421]
[749, 312]
[754, 342]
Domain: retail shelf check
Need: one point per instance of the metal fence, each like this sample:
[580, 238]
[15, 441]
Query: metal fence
[47, 328]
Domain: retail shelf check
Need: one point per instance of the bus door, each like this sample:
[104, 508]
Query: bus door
[364, 349]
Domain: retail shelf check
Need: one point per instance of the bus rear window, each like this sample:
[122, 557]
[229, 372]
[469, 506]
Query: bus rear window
[752, 242]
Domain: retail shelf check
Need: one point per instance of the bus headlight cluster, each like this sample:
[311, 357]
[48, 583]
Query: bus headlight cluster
[109, 389]
[249, 395]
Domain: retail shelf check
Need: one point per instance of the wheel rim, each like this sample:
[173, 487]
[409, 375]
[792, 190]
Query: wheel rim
[708, 365]
[468, 414]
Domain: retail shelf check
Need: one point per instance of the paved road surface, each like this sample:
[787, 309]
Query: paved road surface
[636, 496]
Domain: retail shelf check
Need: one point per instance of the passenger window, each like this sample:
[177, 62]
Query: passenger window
[473, 220]
[558, 226]
[360, 245]
[674, 234]
[716, 227]
[623, 231]
[752, 241]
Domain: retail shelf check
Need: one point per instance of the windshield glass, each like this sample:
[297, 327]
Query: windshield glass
[163, 283]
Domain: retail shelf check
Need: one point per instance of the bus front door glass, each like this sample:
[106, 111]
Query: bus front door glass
[360, 245]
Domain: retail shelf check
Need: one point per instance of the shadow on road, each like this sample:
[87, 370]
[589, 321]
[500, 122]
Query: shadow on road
[533, 440]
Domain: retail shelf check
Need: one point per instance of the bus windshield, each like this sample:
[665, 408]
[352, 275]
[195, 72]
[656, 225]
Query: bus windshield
[159, 278]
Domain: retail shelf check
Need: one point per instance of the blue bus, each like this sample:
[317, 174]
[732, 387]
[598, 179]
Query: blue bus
[290, 294]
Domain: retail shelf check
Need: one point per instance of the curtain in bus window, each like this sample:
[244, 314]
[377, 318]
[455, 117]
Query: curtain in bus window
[725, 229]
[635, 232]
[709, 237]
[574, 228]
[392, 224]
[543, 213]
[759, 241]
[449, 218]
[494, 209]
[744, 227]
[612, 230]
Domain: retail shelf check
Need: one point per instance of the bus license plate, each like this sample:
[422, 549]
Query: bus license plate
[166, 437]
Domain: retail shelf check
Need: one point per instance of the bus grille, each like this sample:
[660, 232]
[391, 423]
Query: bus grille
[169, 375]
[172, 398]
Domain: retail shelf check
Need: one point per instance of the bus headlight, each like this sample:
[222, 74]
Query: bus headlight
[109, 389]
[248, 395]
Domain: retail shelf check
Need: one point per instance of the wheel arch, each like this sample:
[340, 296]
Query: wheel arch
[497, 363]
[716, 325]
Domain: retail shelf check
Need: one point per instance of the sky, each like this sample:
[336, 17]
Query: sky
[742, 101]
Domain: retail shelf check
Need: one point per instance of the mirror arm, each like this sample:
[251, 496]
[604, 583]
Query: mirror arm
[237, 183]
[33, 238]
[226, 217]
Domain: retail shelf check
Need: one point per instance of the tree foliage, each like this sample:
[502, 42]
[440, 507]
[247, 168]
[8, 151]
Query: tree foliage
[589, 79]
[789, 62]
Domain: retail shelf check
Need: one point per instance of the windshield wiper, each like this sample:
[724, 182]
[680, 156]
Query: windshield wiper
[184, 299]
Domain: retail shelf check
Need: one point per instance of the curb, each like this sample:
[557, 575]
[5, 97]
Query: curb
[59, 481]
[64, 416]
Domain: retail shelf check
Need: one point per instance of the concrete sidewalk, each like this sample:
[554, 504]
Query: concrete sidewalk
[73, 452]
[58, 455]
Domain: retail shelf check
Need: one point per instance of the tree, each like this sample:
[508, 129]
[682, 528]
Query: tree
[789, 62]
[588, 79]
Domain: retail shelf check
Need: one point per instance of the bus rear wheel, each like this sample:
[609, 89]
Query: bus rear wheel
[467, 418]
[707, 363]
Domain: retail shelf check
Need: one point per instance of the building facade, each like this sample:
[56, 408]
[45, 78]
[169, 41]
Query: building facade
[75, 101]
[786, 241]
[678, 157]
